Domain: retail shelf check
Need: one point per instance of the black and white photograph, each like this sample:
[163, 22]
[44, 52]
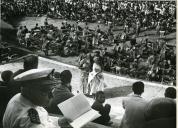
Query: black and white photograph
[88, 63]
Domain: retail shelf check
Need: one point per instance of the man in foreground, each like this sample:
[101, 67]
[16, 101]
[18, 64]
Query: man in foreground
[61, 92]
[25, 109]
[161, 112]
[134, 106]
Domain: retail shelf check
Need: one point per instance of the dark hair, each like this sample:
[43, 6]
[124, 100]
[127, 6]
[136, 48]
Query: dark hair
[170, 92]
[66, 76]
[99, 93]
[6, 75]
[30, 62]
[138, 87]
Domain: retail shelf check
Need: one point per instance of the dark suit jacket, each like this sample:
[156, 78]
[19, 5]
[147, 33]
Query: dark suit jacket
[60, 94]
[161, 113]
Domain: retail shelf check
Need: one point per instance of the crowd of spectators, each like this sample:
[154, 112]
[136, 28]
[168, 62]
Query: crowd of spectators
[8, 53]
[19, 8]
[153, 61]
[145, 59]
[103, 11]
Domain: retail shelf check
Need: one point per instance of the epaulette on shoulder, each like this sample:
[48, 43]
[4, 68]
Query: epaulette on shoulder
[34, 117]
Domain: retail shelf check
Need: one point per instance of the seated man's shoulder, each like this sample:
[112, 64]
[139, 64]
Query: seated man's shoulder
[132, 100]
[161, 101]
[62, 91]
[18, 72]
[161, 104]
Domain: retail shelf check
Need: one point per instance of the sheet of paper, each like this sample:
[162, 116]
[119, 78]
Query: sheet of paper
[78, 110]
[85, 118]
[74, 107]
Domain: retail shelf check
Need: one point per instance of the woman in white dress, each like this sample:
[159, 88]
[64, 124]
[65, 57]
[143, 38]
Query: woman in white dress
[95, 80]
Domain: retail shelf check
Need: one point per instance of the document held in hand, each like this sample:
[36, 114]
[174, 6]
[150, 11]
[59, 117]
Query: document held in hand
[78, 110]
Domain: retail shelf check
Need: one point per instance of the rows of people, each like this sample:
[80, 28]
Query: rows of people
[19, 8]
[143, 59]
[146, 13]
[40, 90]
[151, 14]
[66, 41]
[146, 60]
[153, 61]
[8, 53]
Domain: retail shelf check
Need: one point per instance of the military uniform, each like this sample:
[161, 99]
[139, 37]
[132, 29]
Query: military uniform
[22, 111]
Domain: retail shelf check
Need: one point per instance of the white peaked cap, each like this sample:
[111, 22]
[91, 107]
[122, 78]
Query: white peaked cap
[33, 74]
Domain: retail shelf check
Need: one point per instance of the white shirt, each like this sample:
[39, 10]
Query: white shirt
[134, 112]
[16, 115]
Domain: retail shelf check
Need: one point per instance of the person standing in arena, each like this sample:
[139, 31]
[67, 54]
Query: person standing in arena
[85, 64]
[96, 79]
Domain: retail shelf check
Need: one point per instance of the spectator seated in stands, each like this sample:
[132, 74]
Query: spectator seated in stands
[134, 106]
[170, 92]
[104, 110]
[6, 77]
[4, 97]
[30, 62]
[161, 112]
[61, 92]
[4, 84]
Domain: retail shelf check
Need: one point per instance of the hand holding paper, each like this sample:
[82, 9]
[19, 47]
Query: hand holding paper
[78, 110]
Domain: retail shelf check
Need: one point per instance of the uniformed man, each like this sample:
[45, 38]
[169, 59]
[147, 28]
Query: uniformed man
[25, 109]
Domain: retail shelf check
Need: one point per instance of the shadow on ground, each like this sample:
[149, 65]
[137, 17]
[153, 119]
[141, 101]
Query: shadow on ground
[117, 91]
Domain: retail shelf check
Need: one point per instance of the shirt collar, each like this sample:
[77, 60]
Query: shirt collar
[136, 95]
[26, 101]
